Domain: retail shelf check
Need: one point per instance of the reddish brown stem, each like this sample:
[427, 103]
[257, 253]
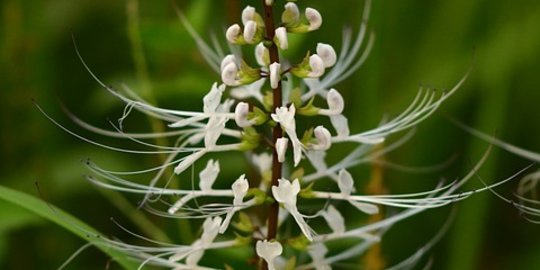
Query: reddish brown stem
[277, 131]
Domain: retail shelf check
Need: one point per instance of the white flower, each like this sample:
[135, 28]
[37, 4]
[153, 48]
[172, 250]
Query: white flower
[210, 230]
[268, 251]
[233, 33]
[275, 75]
[250, 29]
[327, 53]
[286, 193]
[285, 117]
[208, 175]
[229, 75]
[281, 38]
[241, 114]
[335, 220]
[262, 55]
[248, 14]
[324, 138]
[291, 14]
[281, 148]
[314, 18]
[316, 65]
[240, 188]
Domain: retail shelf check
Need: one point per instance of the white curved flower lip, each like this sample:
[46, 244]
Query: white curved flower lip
[241, 115]
[335, 102]
[324, 138]
[316, 65]
[268, 251]
[335, 220]
[262, 55]
[229, 75]
[209, 175]
[248, 14]
[327, 54]
[281, 148]
[233, 33]
[228, 59]
[346, 186]
[314, 18]
[250, 29]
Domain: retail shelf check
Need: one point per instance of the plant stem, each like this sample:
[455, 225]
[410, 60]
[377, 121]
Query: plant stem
[277, 132]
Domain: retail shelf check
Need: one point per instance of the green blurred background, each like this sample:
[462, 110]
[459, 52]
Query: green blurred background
[420, 42]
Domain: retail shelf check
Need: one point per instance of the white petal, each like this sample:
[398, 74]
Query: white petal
[262, 55]
[341, 125]
[291, 14]
[367, 208]
[228, 75]
[188, 161]
[334, 219]
[250, 29]
[268, 251]
[240, 188]
[208, 175]
[281, 36]
[212, 100]
[248, 14]
[281, 148]
[230, 58]
[314, 18]
[324, 138]
[275, 75]
[241, 114]
[286, 191]
[317, 66]
[345, 182]
[327, 53]
[233, 33]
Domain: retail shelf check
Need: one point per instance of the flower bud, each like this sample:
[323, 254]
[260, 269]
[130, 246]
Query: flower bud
[335, 101]
[268, 251]
[316, 65]
[262, 55]
[281, 38]
[269, 2]
[230, 58]
[234, 33]
[229, 75]
[281, 148]
[248, 14]
[324, 138]
[291, 15]
[327, 53]
[250, 30]
[314, 18]
[275, 75]
[241, 115]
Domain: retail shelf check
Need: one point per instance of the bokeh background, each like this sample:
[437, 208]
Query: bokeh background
[431, 43]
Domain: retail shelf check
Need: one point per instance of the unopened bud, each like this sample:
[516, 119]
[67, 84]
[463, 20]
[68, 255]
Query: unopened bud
[250, 30]
[291, 15]
[241, 114]
[233, 34]
[229, 74]
[281, 148]
[248, 14]
[335, 101]
[281, 38]
[314, 18]
[228, 60]
[316, 65]
[327, 53]
[275, 75]
[324, 138]
[262, 55]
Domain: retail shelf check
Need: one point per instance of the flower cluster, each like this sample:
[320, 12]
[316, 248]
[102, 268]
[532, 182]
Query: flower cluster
[257, 107]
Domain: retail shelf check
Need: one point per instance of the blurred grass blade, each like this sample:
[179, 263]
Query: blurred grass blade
[63, 219]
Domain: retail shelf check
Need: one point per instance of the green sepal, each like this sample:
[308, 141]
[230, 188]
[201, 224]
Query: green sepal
[248, 74]
[250, 139]
[242, 240]
[244, 223]
[300, 243]
[309, 109]
[307, 192]
[268, 101]
[291, 263]
[307, 137]
[297, 174]
[257, 116]
[259, 195]
[303, 69]
[296, 97]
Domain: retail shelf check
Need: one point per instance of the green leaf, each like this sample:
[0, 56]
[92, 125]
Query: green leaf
[63, 219]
